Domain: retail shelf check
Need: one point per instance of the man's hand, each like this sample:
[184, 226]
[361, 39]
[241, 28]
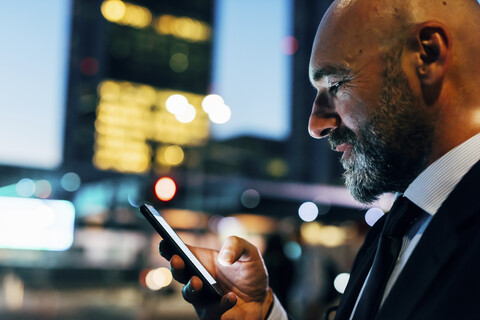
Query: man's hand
[239, 269]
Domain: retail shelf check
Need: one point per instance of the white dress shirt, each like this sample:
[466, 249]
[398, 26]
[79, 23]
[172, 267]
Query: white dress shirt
[428, 191]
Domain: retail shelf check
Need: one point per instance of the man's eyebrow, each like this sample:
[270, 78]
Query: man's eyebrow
[329, 70]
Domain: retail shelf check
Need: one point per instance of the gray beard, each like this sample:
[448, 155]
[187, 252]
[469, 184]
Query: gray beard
[392, 148]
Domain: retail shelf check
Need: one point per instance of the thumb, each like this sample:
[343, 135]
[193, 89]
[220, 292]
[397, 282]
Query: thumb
[234, 249]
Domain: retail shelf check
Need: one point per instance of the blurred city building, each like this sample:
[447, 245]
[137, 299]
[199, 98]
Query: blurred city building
[141, 121]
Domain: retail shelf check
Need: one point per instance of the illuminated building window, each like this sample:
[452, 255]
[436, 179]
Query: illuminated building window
[136, 16]
[133, 117]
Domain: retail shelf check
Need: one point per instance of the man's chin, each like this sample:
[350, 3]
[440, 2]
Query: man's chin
[359, 189]
[363, 196]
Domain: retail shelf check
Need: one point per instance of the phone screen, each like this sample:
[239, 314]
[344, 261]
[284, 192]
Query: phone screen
[169, 235]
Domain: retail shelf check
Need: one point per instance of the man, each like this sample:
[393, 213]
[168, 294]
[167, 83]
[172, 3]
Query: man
[398, 92]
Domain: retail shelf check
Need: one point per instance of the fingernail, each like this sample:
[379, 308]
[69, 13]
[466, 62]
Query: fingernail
[226, 257]
[231, 297]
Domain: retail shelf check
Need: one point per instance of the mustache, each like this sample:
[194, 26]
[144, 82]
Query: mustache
[341, 135]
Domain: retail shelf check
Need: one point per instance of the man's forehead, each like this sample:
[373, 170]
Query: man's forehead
[334, 49]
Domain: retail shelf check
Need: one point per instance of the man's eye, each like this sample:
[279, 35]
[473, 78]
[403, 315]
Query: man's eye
[334, 88]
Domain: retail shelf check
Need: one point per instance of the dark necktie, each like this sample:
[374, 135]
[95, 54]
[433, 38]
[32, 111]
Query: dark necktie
[400, 217]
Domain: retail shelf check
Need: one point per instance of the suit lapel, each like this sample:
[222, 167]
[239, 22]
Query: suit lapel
[360, 269]
[436, 246]
[355, 285]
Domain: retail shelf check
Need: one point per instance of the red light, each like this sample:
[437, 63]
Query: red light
[89, 66]
[165, 189]
[142, 276]
[289, 45]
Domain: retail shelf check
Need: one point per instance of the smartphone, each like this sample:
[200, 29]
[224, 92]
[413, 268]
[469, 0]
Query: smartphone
[192, 264]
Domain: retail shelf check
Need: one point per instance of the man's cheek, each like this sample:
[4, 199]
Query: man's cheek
[352, 111]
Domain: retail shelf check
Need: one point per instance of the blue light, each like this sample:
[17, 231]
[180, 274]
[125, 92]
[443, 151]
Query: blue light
[292, 250]
[36, 224]
[25, 187]
[71, 181]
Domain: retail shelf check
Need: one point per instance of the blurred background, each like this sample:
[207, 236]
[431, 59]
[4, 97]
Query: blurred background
[199, 107]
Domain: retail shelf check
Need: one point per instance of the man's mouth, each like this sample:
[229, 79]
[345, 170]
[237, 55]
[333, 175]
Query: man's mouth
[346, 148]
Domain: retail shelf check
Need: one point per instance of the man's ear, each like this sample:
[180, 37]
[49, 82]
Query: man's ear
[433, 52]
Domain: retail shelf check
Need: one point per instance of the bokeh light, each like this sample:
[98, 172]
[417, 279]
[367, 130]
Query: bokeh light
[25, 187]
[183, 27]
[330, 236]
[289, 45]
[157, 279]
[220, 115]
[176, 103]
[43, 189]
[13, 292]
[133, 200]
[165, 189]
[230, 226]
[178, 62]
[171, 155]
[250, 198]
[277, 168]
[214, 222]
[125, 13]
[308, 211]
[218, 112]
[70, 181]
[188, 115]
[113, 10]
[89, 66]
[292, 250]
[372, 215]
[211, 101]
[341, 281]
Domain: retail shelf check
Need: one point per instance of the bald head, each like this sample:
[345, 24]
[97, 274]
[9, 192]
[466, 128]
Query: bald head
[417, 10]
[437, 41]
[395, 76]
[384, 20]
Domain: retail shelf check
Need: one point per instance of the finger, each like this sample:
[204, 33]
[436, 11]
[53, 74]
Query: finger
[217, 310]
[165, 250]
[228, 302]
[234, 249]
[191, 292]
[177, 266]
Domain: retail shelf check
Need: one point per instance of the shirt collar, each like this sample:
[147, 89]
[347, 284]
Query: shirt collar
[432, 187]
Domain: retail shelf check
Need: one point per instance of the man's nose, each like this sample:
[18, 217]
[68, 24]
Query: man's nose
[323, 118]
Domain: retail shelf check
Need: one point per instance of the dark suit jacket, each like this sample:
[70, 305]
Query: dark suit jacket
[441, 279]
